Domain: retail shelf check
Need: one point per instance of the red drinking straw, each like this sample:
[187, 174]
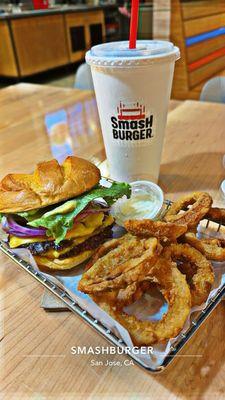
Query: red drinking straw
[133, 24]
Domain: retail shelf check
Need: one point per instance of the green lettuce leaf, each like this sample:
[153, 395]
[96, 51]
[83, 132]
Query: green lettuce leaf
[59, 220]
[31, 215]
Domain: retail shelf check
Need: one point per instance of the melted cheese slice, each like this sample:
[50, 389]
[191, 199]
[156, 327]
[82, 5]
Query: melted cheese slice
[56, 253]
[79, 232]
[67, 263]
[86, 227]
[15, 241]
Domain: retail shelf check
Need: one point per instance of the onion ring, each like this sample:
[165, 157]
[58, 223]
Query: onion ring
[192, 240]
[129, 294]
[162, 230]
[129, 262]
[212, 248]
[200, 204]
[217, 215]
[124, 297]
[103, 250]
[203, 276]
[172, 284]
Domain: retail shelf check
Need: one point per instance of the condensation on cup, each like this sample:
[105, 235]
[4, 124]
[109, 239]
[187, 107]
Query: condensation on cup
[133, 89]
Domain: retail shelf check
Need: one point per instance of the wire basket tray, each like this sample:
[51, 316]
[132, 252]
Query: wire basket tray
[182, 339]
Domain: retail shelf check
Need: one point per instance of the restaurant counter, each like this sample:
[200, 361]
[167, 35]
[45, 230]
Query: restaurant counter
[36, 41]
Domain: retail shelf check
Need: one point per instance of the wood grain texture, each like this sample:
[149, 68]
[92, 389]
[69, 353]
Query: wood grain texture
[75, 20]
[92, 18]
[197, 9]
[85, 20]
[199, 50]
[205, 24]
[40, 43]
[210, 58]
[36, 362]
[180, 86]
[8, 65]
[194, 93]
[193, 149]
[207, 71]
[188, 19]
[37, 101]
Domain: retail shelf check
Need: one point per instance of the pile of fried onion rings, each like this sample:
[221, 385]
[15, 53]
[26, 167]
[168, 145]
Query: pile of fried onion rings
[165, 253]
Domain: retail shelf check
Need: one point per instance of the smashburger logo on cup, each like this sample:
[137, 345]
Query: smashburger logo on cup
[132, 87]
[131, 123]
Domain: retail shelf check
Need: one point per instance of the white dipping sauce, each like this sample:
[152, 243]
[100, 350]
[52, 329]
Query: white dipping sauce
[146, 202]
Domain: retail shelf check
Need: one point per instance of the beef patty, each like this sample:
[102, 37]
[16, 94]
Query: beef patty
[91, 243]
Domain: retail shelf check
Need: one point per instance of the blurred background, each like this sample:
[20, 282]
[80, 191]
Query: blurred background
[44, 41]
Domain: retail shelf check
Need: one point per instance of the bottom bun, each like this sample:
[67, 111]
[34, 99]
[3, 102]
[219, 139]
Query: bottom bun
[66, 263]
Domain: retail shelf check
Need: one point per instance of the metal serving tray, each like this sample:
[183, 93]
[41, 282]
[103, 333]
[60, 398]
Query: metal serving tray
[104, 331]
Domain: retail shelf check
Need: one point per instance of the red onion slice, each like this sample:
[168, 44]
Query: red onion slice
[12, 227]
[22, 230]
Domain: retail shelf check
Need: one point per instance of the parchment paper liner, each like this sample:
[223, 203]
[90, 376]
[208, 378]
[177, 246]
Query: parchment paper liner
[69, 280]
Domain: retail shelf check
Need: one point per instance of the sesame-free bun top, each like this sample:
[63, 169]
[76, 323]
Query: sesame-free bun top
[49, 184]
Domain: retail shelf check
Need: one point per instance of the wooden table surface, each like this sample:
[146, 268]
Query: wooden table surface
[36, 361]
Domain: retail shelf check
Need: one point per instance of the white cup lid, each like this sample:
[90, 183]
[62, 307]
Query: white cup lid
[118, 52]
[145, 48]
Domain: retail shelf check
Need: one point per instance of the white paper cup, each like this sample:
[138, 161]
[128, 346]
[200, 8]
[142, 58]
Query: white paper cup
[133, 89]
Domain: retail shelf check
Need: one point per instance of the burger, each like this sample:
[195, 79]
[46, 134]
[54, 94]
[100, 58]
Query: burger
[59, 212]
